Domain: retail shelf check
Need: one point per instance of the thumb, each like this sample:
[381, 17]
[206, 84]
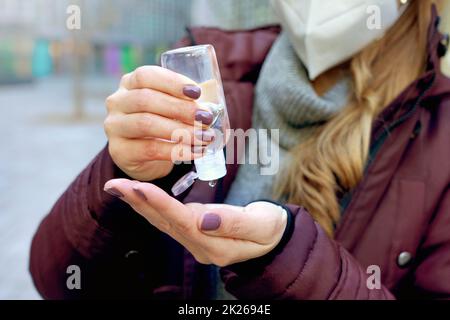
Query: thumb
[263, 223]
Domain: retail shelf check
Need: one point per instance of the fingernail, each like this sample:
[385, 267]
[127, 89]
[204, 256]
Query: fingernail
[114, 192]
[211, 221]
[204, 117]
[139, 193]
[198, 149]
[204, 135]
[192, 91]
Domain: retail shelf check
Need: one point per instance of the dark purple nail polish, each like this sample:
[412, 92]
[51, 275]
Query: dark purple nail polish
[206, 136]
[114, 192]
[204, 117]
[211, 222]
[140, 194]
[192, 92]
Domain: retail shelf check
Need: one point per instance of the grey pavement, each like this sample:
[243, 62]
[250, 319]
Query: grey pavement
[43, 148]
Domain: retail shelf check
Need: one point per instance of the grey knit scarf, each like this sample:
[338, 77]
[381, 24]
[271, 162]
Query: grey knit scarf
[284, 100]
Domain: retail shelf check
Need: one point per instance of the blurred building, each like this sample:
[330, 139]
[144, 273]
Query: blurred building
[232, 14]
[115, 36]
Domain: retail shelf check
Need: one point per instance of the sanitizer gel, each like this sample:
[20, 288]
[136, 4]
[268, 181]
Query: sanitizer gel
[199, 63]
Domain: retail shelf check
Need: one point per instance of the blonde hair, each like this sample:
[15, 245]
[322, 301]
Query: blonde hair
[333, 160]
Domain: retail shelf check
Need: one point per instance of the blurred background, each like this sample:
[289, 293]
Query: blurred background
[53, 83]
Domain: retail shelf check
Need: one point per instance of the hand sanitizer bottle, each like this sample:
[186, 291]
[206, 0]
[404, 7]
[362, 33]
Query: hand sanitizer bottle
[199, 63]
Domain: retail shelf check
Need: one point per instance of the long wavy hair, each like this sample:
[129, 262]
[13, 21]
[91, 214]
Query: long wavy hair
[332, 161]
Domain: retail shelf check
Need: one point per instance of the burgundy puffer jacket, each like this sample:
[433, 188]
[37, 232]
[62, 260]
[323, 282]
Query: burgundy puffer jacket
[397, 218]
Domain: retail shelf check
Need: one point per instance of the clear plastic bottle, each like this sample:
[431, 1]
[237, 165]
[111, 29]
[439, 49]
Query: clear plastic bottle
[199, 63]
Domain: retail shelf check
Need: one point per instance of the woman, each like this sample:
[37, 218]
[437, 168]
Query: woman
[363, 199]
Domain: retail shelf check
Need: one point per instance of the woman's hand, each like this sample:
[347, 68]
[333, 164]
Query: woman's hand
[150, 122]
[213, 233]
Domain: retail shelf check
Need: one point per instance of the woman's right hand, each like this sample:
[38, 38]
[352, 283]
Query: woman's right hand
[154, 120]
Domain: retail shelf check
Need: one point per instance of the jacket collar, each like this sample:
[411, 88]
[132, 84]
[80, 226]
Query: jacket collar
[432, 83]
[437, 42]
[437, 47]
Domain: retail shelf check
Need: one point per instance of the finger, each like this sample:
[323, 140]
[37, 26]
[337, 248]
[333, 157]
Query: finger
[152, 101]
[174, 212]
[147, 125]
[144, 150]
[164, 80]
[263, 224]
[177, 220]
[123, 188]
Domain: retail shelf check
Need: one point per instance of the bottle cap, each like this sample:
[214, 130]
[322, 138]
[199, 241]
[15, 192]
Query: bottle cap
[184, 183]
[211, 166]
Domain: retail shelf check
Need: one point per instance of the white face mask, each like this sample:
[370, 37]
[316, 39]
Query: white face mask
[325, 33]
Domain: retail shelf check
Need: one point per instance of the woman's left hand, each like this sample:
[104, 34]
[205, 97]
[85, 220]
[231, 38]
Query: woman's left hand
[214, 233]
